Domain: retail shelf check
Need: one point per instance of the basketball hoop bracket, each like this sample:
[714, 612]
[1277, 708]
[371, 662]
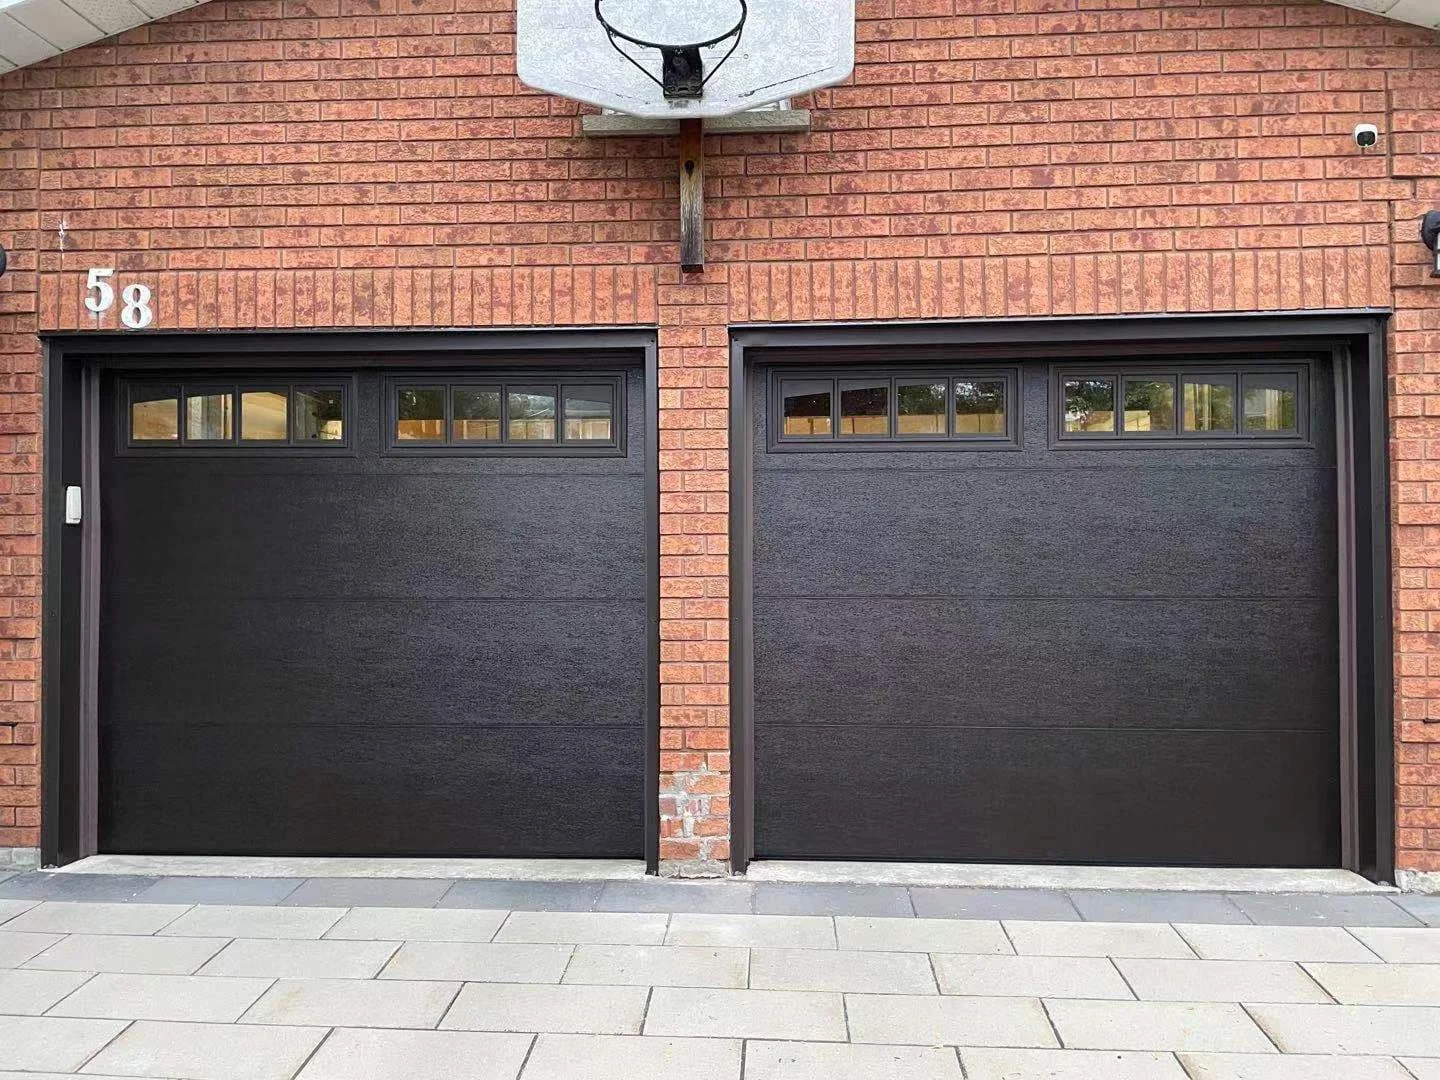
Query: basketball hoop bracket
[683, 74]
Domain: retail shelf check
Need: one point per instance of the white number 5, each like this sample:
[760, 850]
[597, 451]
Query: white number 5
[104, 294]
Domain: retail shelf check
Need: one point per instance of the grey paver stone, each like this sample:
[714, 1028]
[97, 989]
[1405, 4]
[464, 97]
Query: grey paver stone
[373, 1054]
[1298, 943]
[61, 917]
[353, 1003]
[523, 895]
[581, 1010]
[1291, 1067]
[583, 928]
[478, 961]
[1030, 976]
[841, 1061]
[951, 1021]
[95, 888]
[1156, 1026]
[1007, 1064]
[1398, 946]
[623, 1057]
[1422, 1068]
[724, 897]
[922, 935]
[1118, 905]
[368, 892]
[15, 949]
[1424, 908]
[52, 1043]
[127, 954]
[418, 924]
[1392, 1031]
[1314, 909]
[658, 965]
[992, 904]
[841, 972]
[1095, 939]
[752, 931]
[1221, 980]
[219, 890]
[782, 898]
[163, 997]
[10, 908]
[30, 993]
[207, 1051]
[243, 921]
[1379, 984]
[746, 1014]
[276, 959]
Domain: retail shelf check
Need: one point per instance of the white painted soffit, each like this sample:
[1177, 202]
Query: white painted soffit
[35, 30]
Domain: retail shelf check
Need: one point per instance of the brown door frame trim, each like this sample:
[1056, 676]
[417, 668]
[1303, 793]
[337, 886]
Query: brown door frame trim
[70, 572]
[1356, 342]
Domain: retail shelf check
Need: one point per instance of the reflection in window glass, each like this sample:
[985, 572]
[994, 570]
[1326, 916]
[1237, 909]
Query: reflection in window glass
[477, 415]
[1090, 404]
[920, 408]
[419, 414]
[864, 407]
[319, 415]
[979, 406]
[806, 407]
[532, 414]
[264, 415]
[1270, 403]
[209, 417]
[589, 414]
[155, 413]
[1209, 404]
[1150, 405]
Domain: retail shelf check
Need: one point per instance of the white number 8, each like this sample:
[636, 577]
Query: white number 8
[136, 313]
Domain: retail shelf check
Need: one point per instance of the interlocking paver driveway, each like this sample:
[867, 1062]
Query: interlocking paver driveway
[291, 983]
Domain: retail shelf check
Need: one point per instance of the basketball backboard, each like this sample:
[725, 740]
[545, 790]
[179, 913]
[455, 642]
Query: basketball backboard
[756, 51]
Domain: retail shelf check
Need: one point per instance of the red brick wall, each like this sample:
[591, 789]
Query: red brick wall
[344, 163]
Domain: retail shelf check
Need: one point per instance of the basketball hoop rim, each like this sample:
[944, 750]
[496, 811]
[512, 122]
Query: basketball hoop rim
[716, 40]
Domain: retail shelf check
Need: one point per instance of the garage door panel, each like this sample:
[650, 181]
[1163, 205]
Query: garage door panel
[1261, 799]
[427, 534]
[369, 663]
[1121, 531]
[282, 789]
[1148, 664]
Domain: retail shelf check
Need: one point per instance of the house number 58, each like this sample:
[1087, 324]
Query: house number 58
[135, 312]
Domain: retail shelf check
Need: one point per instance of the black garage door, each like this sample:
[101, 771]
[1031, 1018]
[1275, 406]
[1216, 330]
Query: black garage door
[1047, 612]
[399, 614]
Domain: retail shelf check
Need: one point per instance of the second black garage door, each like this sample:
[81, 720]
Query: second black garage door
[1047, 612]
[374, 614]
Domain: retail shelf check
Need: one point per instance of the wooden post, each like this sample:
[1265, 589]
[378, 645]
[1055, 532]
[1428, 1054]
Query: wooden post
[692, 196]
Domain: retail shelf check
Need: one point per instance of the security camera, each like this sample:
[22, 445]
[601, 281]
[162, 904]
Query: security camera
[1366, 135]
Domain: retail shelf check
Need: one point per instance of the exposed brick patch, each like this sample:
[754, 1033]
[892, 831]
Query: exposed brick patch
[373, 163]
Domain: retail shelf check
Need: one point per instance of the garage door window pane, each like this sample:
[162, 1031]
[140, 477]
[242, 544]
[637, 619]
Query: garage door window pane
[920, 408]
[532, 414]
[864, 408]
[1270, 403]
[209, 417]
[589, 414]
[319, 415]
[477, 415]
[1210, 404]
[1150, 405]
[420, 414]
[155, 414]
[979, 406]
[264, 416]
[1090, 405]
[806, 406]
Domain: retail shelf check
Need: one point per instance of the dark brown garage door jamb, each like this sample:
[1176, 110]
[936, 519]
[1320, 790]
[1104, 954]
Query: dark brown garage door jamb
[1355, 340]
[70, 574]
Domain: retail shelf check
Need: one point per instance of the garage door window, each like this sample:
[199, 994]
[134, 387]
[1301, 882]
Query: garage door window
[858, 410]
[503, 416]
[1183, 405]
[230, 417]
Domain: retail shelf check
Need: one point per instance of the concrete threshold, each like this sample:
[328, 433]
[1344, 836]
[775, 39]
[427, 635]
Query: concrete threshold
[329, 867]
[1012, 876]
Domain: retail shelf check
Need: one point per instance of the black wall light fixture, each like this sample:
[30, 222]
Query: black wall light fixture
[3, 260]
[1430, 234]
